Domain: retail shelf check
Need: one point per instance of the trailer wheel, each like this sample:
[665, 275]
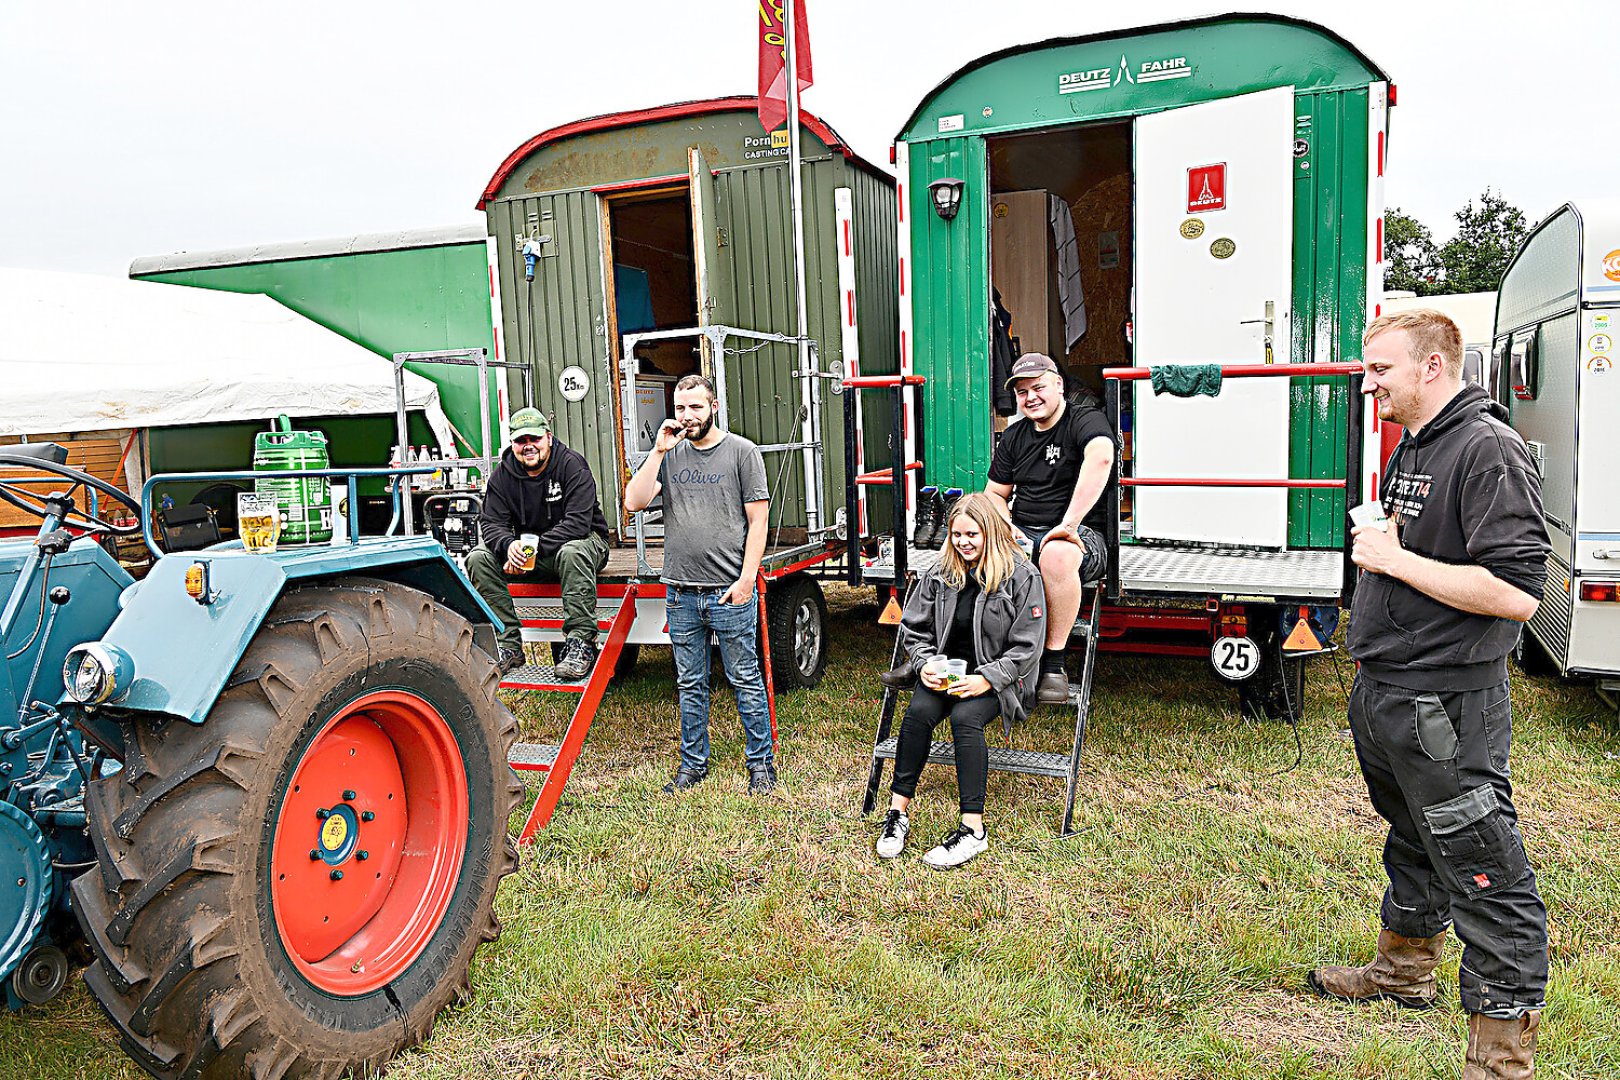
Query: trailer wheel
[796, 613]
[1277, 690]
[297, 885]
[1531, 657]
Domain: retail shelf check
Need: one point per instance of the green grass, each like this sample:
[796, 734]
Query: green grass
[718, 935]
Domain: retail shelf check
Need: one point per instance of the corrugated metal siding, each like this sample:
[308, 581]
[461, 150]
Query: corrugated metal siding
[1329, 302]
[559, 320]
[951, 304]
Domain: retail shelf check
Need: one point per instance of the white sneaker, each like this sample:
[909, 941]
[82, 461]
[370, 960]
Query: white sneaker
[891, 839]
[957, 848]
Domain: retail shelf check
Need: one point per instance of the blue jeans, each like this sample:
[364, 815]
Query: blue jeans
[692, 614]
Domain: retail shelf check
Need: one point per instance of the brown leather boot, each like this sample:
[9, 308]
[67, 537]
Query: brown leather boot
[1402, 972]
[1501, 1049]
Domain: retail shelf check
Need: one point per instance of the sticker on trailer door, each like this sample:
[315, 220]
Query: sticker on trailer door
[1611, 265]
[573, 384]
[1206, 188]
[1234, 658]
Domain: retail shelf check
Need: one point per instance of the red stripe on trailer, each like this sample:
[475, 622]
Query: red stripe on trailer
[902, 275]
[1381, 139]
[849, 303]
[848, 250]
[1380, 238]
[900, 196]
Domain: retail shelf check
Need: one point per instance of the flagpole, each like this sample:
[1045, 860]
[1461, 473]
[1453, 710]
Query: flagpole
[796, 196]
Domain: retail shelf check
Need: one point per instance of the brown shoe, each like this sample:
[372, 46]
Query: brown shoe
[1501, 1049]
[1402, 972]
[899, 677]
[1053, 689]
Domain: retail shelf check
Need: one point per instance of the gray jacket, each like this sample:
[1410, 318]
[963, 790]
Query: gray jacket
[1008, 625]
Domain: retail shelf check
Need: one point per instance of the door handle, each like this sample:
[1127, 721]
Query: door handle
[1269, 322]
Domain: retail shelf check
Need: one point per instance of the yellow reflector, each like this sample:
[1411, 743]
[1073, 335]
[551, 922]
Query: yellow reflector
[197, 582]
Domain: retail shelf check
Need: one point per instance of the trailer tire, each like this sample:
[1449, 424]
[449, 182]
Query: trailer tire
[1532, 657]
[796, 615]
[1277, 690]
[226, 942]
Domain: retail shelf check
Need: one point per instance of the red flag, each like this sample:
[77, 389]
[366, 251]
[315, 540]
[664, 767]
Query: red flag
[773, 59]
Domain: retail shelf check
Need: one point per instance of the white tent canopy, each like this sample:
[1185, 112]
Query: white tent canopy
[86, 353]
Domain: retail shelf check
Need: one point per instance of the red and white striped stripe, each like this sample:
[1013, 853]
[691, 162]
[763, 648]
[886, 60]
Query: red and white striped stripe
[908, 437]
[1372, 456]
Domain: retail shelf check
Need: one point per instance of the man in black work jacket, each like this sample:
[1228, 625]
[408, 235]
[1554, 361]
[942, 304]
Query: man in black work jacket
[542, 487]
[1446, 583]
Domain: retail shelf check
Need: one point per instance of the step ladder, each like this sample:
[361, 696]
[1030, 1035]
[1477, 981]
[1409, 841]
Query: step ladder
[556, 761]
[1006, 759]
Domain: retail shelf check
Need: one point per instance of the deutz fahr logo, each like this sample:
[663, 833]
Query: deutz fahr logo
[1160, 70]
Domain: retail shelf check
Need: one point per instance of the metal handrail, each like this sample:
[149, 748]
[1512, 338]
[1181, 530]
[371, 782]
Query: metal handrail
[1245, 371]
[349, 475]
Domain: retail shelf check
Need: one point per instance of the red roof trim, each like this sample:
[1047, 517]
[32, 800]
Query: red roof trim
[676, 111]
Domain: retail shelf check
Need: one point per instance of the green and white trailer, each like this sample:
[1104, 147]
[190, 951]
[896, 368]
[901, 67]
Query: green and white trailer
[1224, 179]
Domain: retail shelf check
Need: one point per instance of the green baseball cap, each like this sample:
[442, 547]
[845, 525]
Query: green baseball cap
[530, 422]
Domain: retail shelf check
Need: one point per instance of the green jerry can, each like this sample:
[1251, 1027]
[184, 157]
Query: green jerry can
[305, 502]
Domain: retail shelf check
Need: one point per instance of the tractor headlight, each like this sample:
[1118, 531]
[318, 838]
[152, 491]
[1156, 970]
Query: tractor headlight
[96, 672]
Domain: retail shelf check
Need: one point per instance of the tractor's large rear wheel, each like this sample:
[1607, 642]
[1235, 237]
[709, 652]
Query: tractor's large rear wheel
[296, 886]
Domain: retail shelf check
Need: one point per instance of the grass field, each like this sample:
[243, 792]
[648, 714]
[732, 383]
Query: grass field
[718, 935]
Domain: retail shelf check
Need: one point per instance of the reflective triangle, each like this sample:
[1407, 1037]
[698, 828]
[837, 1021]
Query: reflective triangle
[891, 612]
[1303, 639]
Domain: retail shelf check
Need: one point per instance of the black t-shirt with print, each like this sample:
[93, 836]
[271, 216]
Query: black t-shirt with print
[1042, 466]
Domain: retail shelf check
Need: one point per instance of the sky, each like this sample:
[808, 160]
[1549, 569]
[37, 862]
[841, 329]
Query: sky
[131, 129]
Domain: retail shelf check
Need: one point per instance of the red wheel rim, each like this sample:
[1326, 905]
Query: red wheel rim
[369, 843]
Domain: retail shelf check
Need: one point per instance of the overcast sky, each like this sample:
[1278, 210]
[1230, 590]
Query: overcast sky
[131, 129]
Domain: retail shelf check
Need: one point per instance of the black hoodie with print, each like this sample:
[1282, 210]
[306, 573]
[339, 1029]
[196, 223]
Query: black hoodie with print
[559, 505]
[1463, 491]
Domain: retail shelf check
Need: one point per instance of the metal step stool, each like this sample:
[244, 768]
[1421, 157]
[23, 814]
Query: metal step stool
[1006, 759]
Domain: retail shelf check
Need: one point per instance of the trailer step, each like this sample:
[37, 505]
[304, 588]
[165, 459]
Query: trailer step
[1002, 759]
[1183, 569]
[540, 677]
[533, 757]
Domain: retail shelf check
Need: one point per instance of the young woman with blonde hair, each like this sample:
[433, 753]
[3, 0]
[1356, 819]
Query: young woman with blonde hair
[983, 605]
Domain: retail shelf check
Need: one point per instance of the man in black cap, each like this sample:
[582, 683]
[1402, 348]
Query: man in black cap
[542, 487]
[1049, 473]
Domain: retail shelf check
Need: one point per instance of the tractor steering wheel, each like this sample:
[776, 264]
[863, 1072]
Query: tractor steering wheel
[13, 492]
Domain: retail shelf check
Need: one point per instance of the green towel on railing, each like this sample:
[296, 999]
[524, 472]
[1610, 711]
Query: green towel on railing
[1187, 380]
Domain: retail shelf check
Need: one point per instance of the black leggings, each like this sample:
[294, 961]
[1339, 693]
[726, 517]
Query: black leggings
[968, 718]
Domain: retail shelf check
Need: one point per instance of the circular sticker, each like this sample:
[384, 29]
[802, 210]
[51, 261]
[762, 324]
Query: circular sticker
[1301, 147]
[1234, 658]
[573, 384]
[1611, 265]
[334, 832]
[1600, 365]
[989, 112]
[1001, 210]
[1223, 248]
[1600, 343]
[1192, 228]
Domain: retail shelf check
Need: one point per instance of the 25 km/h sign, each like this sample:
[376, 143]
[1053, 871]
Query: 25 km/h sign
[1234, 658]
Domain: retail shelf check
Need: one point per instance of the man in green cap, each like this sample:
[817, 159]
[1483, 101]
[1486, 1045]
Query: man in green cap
[541, 487]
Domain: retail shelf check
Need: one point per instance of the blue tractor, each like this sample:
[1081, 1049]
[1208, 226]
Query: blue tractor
[265, 796]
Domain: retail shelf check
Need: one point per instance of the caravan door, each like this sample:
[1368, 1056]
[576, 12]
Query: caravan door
[1214, 256]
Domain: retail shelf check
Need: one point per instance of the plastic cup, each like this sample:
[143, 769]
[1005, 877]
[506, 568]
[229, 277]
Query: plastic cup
[528, 545]
[955, 671]
[1369, 513]
[258, 522]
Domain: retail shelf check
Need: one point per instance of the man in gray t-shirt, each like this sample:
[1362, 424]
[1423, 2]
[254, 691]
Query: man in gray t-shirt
[716, 508]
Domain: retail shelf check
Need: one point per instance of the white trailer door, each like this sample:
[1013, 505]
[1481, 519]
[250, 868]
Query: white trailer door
[1214, 247]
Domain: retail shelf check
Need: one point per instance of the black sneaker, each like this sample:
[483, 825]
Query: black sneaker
[761, 779]
[957, 848]
[685, 778]
[578, 657]
[509, 661]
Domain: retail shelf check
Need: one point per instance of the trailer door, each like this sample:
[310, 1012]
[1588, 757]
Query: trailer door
[1214, 252]
[716, 299]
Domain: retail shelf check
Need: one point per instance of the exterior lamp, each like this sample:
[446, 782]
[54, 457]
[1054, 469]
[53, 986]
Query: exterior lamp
[947, 193]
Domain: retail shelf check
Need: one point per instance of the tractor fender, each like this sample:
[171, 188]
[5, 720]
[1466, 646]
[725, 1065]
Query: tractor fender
[184, 650]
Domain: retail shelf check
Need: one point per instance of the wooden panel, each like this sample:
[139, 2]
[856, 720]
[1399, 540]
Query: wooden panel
[97, 456]
[1020, 261]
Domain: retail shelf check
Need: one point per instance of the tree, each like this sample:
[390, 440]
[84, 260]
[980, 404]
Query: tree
[1410, 254]
[1487, 236]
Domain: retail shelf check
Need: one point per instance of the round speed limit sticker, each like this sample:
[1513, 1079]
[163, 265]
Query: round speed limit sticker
[1234, 658]
[572, 383]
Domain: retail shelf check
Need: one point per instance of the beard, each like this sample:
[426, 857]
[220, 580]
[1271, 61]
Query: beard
[697, 434]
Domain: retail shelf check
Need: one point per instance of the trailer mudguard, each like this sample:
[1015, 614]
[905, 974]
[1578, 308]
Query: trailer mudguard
[183, 650]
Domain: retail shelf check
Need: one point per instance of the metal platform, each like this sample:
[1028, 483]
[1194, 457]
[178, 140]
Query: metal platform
[918, 561]
[533, 757]
[550, 616]
[540, 677]
[1001, 759]
[1183, 569]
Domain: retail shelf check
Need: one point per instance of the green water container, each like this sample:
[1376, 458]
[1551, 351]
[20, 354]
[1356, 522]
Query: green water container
[306, 501]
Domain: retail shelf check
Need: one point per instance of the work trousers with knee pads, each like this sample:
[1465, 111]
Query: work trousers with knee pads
[1436, 766]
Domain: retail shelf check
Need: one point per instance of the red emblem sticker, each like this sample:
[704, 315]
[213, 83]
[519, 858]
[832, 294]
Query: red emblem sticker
[1206, 188]
[1482, 881]
[1035, 611]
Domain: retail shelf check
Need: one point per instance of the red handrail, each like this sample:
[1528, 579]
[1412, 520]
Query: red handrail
[1245, 371]
[1166, 481]
[873, 382]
